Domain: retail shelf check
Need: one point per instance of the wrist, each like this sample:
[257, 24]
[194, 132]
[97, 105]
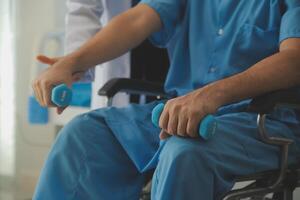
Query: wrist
[74, 63]
[216, 95]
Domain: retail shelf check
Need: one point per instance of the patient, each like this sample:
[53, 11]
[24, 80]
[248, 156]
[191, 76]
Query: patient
[222, 53]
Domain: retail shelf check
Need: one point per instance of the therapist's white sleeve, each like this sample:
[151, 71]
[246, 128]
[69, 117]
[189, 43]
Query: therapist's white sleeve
[82, 22]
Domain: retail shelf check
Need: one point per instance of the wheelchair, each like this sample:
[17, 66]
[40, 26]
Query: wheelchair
[268, 185]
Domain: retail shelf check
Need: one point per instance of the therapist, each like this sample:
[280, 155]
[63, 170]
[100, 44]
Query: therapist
[222, 53]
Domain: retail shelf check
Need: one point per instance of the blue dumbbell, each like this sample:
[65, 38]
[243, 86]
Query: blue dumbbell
[61, 95]
[207, 127]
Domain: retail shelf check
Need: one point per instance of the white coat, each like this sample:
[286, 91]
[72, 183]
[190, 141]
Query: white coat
[84, 19]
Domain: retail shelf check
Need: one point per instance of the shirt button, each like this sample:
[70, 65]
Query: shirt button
[212, 70]
[220, 31]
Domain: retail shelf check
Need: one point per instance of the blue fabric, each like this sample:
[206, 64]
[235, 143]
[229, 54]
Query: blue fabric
[97, 156]
[105, 154]
[87, 162]
[209, 40]
[290, 25]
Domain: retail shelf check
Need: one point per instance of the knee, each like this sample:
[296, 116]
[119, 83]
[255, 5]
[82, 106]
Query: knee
[80, 131]
[179, 151]
[69, 136]
[74, 128]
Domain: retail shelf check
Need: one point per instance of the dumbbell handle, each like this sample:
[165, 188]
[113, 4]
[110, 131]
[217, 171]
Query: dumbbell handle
[207, 127]
[61, 95]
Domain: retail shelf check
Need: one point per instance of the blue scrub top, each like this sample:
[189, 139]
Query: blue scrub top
[209, 40]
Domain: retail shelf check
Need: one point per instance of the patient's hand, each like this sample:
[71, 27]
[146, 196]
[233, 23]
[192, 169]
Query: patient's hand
[181, 116]
[59, 71]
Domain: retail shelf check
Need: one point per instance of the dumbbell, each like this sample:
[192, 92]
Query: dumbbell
[207, 127]
[61, 95]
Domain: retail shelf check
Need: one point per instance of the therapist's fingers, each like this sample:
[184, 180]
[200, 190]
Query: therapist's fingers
[164, 135]
[47, 60]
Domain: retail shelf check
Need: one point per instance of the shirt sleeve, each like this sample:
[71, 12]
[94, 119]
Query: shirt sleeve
[171, 13]
[82, 22]
[290, 21]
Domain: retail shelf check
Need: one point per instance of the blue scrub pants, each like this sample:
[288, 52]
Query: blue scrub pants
[90, 160]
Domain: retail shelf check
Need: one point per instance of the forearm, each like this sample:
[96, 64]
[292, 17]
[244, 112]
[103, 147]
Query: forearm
[279, 71]
[123, 33]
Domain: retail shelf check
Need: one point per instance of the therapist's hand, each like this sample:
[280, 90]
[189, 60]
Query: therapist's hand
[60, 71]
[181, 116]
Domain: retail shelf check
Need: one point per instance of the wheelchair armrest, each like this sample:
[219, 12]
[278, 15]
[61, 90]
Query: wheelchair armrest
[266, 103]
[132, 86]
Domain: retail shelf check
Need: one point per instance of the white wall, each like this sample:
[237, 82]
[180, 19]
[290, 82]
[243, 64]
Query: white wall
[34, 19]
[6, 91]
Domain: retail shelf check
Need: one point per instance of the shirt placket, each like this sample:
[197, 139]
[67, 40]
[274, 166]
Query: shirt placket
[219, 31]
